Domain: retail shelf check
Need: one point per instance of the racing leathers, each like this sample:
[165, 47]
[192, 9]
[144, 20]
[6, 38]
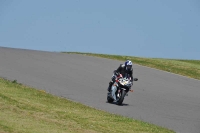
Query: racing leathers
[121, 70]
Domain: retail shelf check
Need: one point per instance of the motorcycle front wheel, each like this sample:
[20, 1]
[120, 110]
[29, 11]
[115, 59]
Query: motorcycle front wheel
[121, 98]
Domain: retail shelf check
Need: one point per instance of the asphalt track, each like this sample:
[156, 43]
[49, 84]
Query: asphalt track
[159, 97]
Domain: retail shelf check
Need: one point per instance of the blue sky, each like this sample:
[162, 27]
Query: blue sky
[144, 28]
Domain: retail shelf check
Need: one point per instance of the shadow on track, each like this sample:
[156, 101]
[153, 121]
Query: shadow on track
[123, 104]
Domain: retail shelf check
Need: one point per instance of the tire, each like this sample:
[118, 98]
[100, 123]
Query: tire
[121, 99]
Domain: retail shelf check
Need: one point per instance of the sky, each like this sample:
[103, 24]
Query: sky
[142, 28]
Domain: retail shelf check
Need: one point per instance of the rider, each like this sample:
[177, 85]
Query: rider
[124, 69]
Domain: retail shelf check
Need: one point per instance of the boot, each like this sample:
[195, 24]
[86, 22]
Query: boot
[110, 85]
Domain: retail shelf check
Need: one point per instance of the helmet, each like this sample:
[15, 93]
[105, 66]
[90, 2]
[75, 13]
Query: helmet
[128, 65]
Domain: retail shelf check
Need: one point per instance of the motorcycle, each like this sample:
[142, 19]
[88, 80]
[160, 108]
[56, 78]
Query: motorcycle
[122, 87]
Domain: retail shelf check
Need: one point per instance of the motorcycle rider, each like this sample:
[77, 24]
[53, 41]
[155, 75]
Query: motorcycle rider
[124, 69]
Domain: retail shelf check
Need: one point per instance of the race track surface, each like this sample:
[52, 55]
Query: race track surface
[159, 97]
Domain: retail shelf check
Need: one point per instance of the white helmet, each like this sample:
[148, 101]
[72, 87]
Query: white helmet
[128, 65]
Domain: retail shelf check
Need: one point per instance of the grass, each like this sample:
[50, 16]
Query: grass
[28, 110]
[189, 68]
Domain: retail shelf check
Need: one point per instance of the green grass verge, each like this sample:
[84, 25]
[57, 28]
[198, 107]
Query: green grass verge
[29, 110]
[189, 68]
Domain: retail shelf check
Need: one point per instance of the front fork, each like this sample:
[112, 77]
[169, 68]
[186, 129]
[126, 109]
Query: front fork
[118, 93]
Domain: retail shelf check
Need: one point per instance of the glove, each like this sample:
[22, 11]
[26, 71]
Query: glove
[131, 83]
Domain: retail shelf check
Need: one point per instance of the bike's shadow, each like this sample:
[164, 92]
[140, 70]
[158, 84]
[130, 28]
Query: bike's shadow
[123, 104]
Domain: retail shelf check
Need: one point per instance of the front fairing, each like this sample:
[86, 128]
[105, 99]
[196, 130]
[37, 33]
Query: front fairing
[123, 86]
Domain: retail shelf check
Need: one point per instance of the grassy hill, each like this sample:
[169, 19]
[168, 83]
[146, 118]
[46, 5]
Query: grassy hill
[28, 110]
